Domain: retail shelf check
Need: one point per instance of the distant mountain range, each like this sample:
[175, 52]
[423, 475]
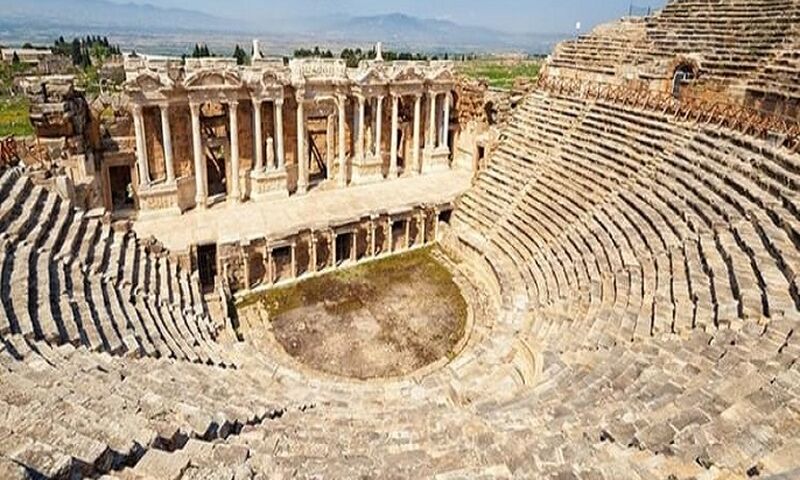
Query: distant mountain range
[35, 19]
[107, 15]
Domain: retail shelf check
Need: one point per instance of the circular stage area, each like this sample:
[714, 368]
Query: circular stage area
[384, 319]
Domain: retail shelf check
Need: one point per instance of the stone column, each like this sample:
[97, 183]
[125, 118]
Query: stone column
[258, 139]
[294, 259]
[360, 138]
[417, 125]
[389, 235]
[332, 248]
[354, 246]
[265, 264]
[431, 141]
[408, 233]
[199, 159]
[270, 267]
[423, 226]
[372, 234]
[302, 164]
[141, 146]
[233, 117]
[329, 146]
[446, 121]
[395, 121]
[341, 102]
[378, 128]
[312, 248]
[280, 154]
[435, 224]
[246, 262]
[166, 134]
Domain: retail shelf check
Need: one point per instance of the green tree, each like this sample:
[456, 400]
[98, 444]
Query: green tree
[240, 55]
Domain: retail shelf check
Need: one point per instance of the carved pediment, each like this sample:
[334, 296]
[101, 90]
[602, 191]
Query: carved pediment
[372, 75]
[211, 79]
[444, 75]
[148, 81]
[271, 78]
[408, 74]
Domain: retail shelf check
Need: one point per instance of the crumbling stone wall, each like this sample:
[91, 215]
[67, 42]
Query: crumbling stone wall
[471, 100]
[66, 136]
[482, 112]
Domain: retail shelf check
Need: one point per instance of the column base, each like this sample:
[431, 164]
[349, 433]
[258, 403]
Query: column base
[159, 200]
[368, 170]
[410, 172]
[435, 160]
[269, 185]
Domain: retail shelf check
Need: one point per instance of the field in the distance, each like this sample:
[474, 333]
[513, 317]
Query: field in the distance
[500, 73]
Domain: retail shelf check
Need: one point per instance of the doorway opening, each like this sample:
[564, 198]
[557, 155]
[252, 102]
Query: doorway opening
[682, 77]
[207, 266]
[121, 188]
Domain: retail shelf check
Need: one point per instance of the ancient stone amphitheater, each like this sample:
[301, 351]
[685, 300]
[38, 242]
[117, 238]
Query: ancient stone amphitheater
[629, 257]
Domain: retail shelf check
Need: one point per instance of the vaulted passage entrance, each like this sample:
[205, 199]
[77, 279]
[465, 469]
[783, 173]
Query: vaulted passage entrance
[121, 187]
[207, 266]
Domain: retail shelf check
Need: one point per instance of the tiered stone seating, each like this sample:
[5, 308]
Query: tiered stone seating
[779, 75]
[605, 49]
[649, 243]
[68, 412]
[733, 35]
[517, 159]
[730, 38]
[632, 283]
[70, 279]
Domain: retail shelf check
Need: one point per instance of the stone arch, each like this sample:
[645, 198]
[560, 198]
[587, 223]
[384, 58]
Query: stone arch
[682, 71]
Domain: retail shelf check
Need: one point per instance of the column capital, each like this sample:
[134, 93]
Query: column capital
[195, 107]
[300, 95]
[163, 106]
[278, 102]
[137, 108]
[256, 100]
[233, 102]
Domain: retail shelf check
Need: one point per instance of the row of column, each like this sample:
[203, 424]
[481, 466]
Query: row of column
[141, 145]
[278, 151]
[432, 141]
[332, 262]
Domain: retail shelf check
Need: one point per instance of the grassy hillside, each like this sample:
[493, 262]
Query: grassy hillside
[500, 73]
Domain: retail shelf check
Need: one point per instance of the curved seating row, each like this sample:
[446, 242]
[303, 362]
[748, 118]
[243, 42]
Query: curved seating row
[71, 279]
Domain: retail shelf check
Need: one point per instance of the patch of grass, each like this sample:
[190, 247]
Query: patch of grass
[14, 117]
[500, 73]
[346, 290]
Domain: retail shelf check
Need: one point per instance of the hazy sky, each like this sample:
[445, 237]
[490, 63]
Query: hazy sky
[545, 16]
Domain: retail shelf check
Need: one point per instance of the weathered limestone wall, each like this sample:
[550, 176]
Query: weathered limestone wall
[67, 136]
[263, 263]
[180, 123]
[155, 146]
